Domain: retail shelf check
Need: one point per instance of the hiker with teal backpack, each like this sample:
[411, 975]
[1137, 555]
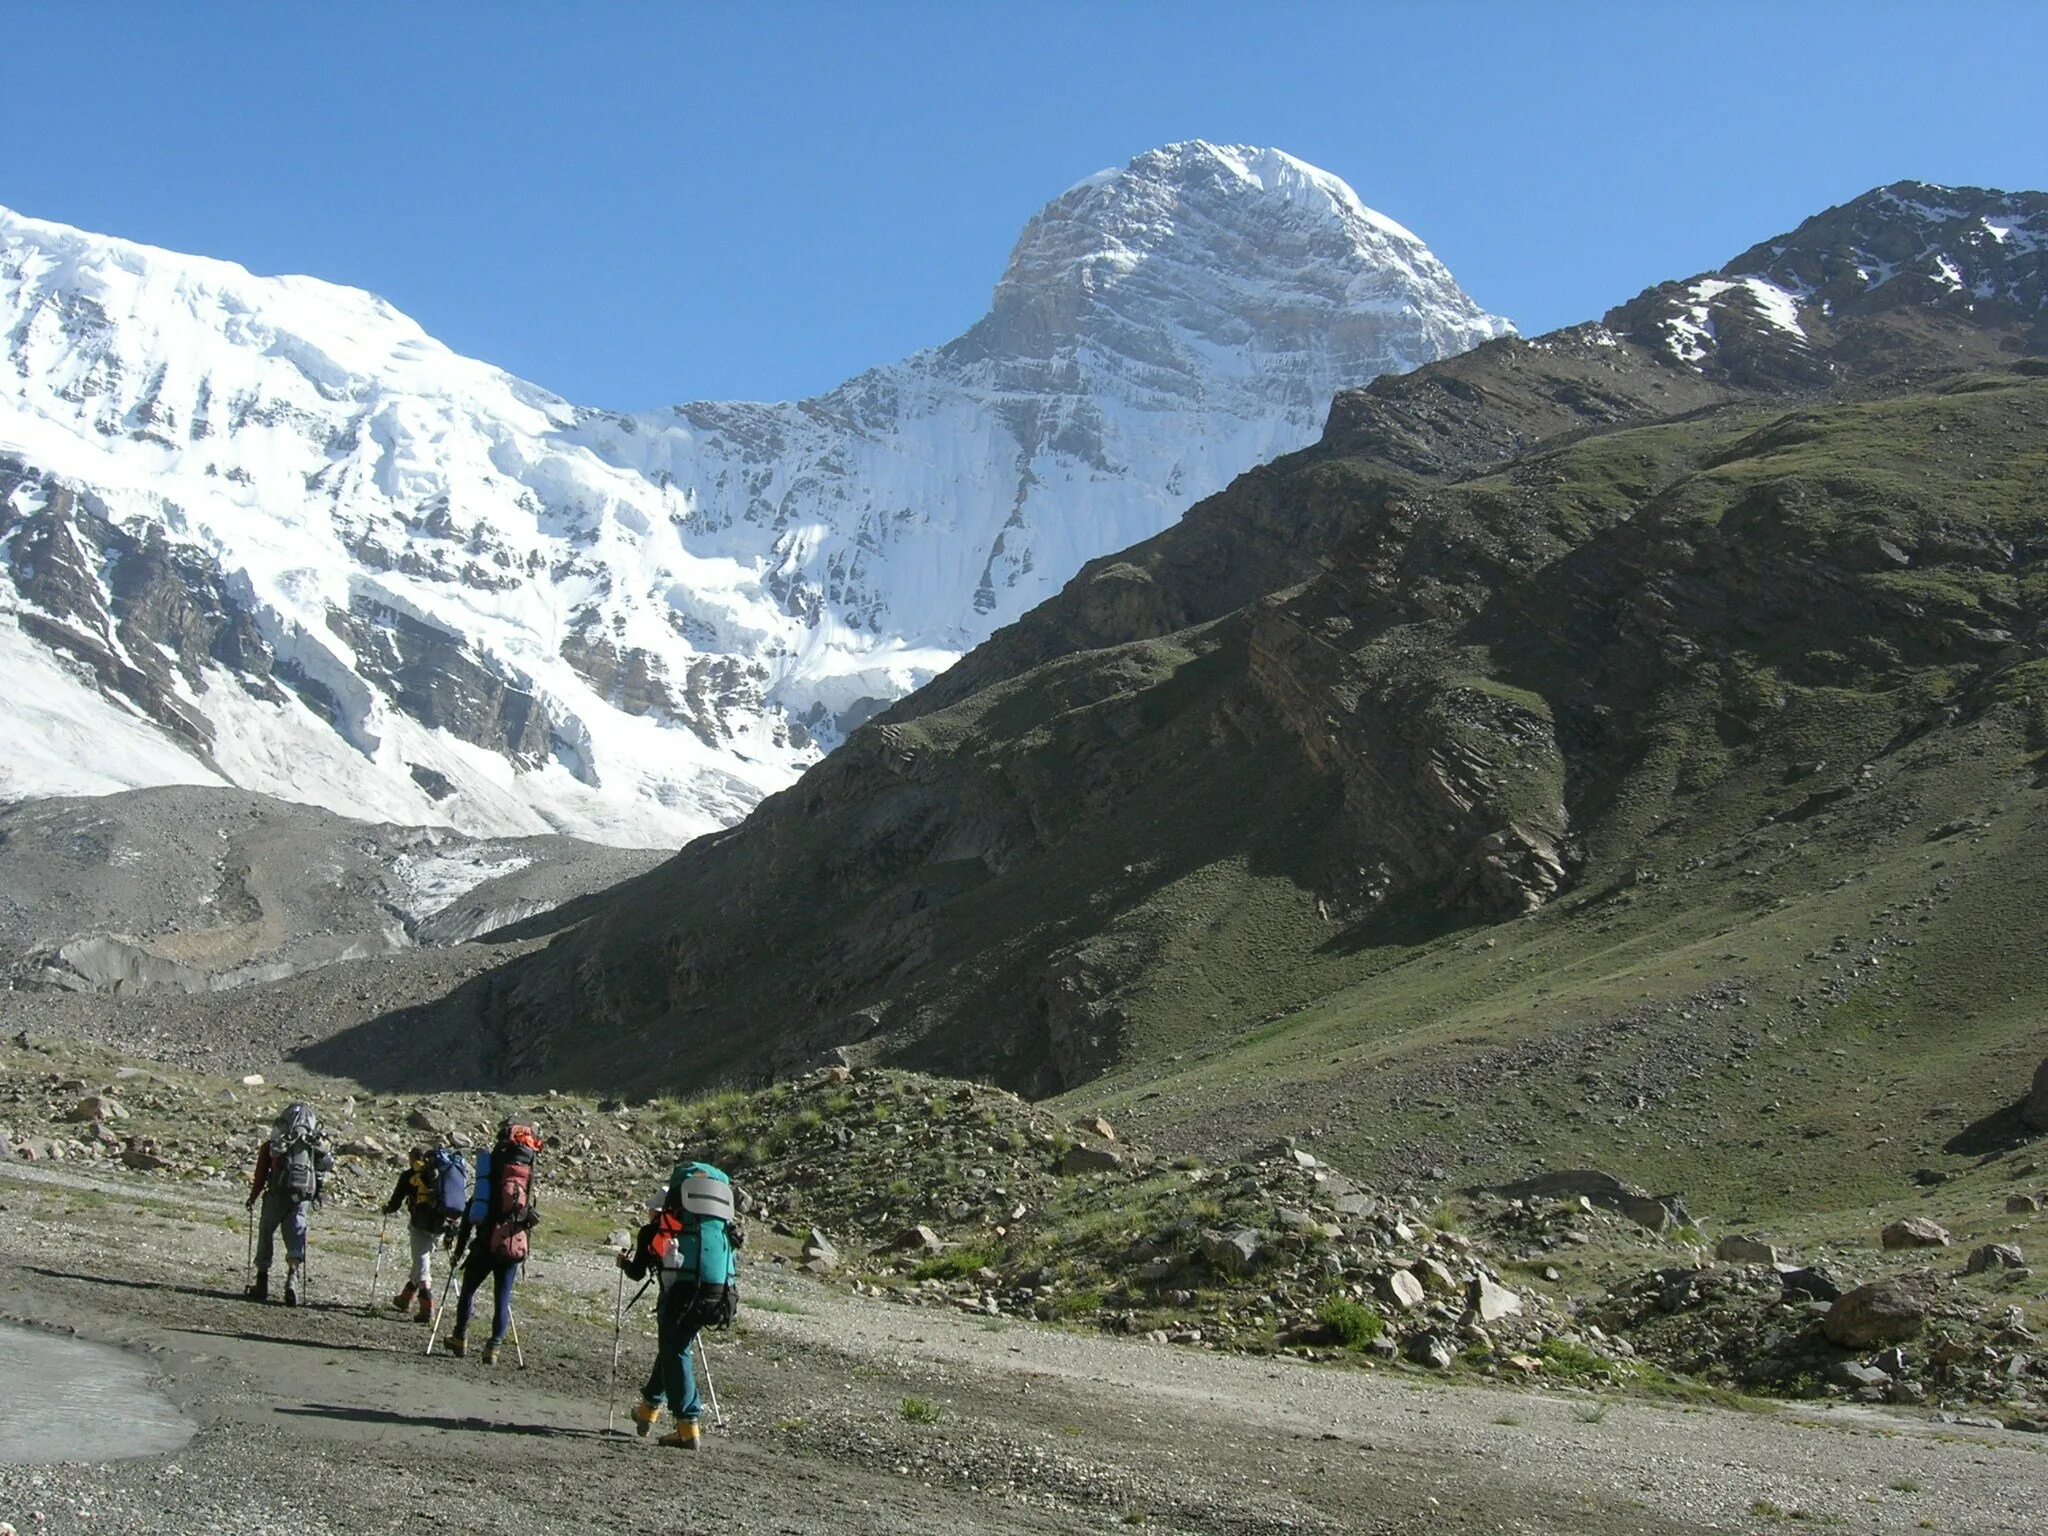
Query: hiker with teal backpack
[289, 1167]
[496, 1232]
[692, 1244]
[434, 1189]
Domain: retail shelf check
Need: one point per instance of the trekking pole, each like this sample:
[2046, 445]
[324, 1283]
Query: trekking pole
[377, 1272]
[440, 1312]
[517, 1353]
[249, 1221]
[710, 1391]
[611, 1388]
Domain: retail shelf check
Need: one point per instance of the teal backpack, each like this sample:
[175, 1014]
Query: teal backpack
[701, 1245]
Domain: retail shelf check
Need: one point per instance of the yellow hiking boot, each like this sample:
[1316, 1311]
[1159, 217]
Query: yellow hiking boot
[687, 1435]
[645, 1416]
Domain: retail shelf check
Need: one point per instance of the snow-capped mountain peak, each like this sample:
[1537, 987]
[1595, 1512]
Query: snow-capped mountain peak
[268, 531]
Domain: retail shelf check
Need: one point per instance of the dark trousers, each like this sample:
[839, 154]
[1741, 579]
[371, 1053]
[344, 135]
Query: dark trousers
[505, 1274]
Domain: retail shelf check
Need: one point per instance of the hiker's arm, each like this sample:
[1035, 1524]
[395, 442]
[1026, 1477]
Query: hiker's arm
[398, 1193]
[262, 1173]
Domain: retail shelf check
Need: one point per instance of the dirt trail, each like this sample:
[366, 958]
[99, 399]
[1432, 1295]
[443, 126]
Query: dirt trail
[329, 1418]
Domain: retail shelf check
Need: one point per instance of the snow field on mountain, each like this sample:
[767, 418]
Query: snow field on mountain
[696, 601]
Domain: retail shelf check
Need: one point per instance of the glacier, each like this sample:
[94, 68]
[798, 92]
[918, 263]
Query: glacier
[266, 531]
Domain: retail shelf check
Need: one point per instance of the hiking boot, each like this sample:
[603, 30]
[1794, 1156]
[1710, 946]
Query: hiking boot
[260, 1291]
[688, 1435]
[426, 1311]
[645, 1416]
[404, 1298]
[291, 1286]
[458, 1346]
[490, 1356]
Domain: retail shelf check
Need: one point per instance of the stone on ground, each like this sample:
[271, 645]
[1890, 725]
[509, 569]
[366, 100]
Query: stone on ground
[1883, 1312]
[1490, 1303]
[1235, 1252]
[1994, 1256]
[1737, 1249]
[1915, 1232]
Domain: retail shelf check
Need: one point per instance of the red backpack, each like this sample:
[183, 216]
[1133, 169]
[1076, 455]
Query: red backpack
[512, 1194]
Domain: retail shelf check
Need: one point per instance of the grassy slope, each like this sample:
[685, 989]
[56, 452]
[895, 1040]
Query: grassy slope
[1832, 1081]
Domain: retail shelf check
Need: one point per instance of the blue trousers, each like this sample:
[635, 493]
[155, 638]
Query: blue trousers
[680, 1321]
[504, 1274]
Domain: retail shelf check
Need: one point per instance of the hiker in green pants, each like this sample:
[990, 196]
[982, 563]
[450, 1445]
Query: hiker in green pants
[692, 1243]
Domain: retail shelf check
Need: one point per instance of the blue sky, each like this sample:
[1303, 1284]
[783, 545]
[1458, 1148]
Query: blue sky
[640, 204]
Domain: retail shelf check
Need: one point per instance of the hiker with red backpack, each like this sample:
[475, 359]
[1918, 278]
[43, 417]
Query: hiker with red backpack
[496, 1232]
[289, 1167]
[434, 1189]
[691, 1245]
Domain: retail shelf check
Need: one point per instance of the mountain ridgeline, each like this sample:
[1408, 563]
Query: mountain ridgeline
[267, 532]
[1567, 694]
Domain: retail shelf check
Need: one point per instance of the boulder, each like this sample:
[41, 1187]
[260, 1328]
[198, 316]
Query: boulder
[1883, 1312]
[1847, 1373]
[1292, 1219]
[2022, 1205]
[98, 1106]
[1097, 1126]
[1994, 1256]
[1399, 1289]
[145, 1158]
[1915, 1232]
[1808, 1283]
[1489, 1303]
[1083, 1158]
[424, 1119]
[2034, 1112]
[1434, 1277]
[1735, 1249]
[819, 1255]
[1657, 1212]
[920, 1240]
[1432, 1350]
[1235, 1252]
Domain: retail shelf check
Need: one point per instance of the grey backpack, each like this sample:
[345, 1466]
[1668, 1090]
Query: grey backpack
[294, 1152]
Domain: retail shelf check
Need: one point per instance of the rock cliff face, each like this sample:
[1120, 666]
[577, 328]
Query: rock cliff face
[266, 531]
[1512, 617]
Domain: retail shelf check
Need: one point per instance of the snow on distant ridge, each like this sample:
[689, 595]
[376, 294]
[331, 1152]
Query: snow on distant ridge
[421, 589]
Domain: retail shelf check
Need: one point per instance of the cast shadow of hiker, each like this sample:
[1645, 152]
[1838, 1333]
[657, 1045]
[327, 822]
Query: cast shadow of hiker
[204, 1292]
[354, 1415]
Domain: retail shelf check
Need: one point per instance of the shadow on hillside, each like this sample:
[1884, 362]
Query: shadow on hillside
[443, 1046]
[1994, 1134]
[454, 1043]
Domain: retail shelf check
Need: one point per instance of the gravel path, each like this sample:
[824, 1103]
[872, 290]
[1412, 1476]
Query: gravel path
[330, 1418]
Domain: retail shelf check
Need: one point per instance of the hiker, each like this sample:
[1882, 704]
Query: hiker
[496, 1231]
[434, 1189]
[289, 1166]
[692, 1244]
